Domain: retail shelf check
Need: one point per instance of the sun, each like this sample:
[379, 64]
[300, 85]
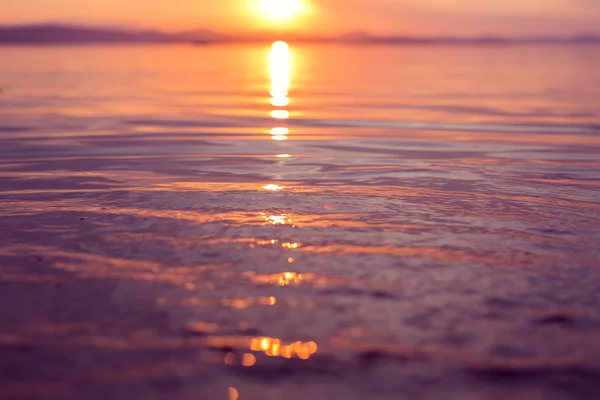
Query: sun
[278, 10]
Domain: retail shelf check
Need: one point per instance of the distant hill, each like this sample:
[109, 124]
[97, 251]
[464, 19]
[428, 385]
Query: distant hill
[48, 34]
[68, 34]
[366, 38]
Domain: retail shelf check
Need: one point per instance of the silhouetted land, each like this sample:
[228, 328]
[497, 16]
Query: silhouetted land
[66, 34]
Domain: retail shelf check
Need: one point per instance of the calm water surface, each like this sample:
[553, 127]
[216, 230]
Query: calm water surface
[296, 222]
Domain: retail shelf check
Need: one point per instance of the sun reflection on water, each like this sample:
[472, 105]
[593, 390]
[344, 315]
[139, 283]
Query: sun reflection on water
[273, 187]
[279, 137]
[233, 394]
[280, 114]
[280, 101]
[280, 131]
[237, 303]
[280, 69]
[280, 62]
[280, 219]
[282, 279]
[248, 360]
[274, 347]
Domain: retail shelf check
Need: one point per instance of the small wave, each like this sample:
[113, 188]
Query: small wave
[418, 125]
[11, 129]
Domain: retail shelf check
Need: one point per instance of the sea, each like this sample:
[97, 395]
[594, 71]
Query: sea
[290, 221]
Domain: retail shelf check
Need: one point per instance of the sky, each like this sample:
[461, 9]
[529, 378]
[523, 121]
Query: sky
[383, 17]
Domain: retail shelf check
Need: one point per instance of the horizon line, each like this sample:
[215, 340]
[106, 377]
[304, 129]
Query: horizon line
[212, 36]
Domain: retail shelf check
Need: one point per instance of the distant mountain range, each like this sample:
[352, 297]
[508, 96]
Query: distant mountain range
[56, 34]
[68, 34]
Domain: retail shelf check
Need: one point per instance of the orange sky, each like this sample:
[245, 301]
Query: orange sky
[423, 17]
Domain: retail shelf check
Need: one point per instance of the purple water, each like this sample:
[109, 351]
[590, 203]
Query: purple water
[416, 222]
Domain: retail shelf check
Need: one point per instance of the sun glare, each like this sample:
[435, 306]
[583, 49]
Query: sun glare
[280, 9]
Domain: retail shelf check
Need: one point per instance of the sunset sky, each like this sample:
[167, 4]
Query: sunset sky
[420, 17]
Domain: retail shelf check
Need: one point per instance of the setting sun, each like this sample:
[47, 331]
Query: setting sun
[280, 9]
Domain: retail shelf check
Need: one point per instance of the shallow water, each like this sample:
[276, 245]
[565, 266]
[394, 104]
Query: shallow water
[413, 223]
